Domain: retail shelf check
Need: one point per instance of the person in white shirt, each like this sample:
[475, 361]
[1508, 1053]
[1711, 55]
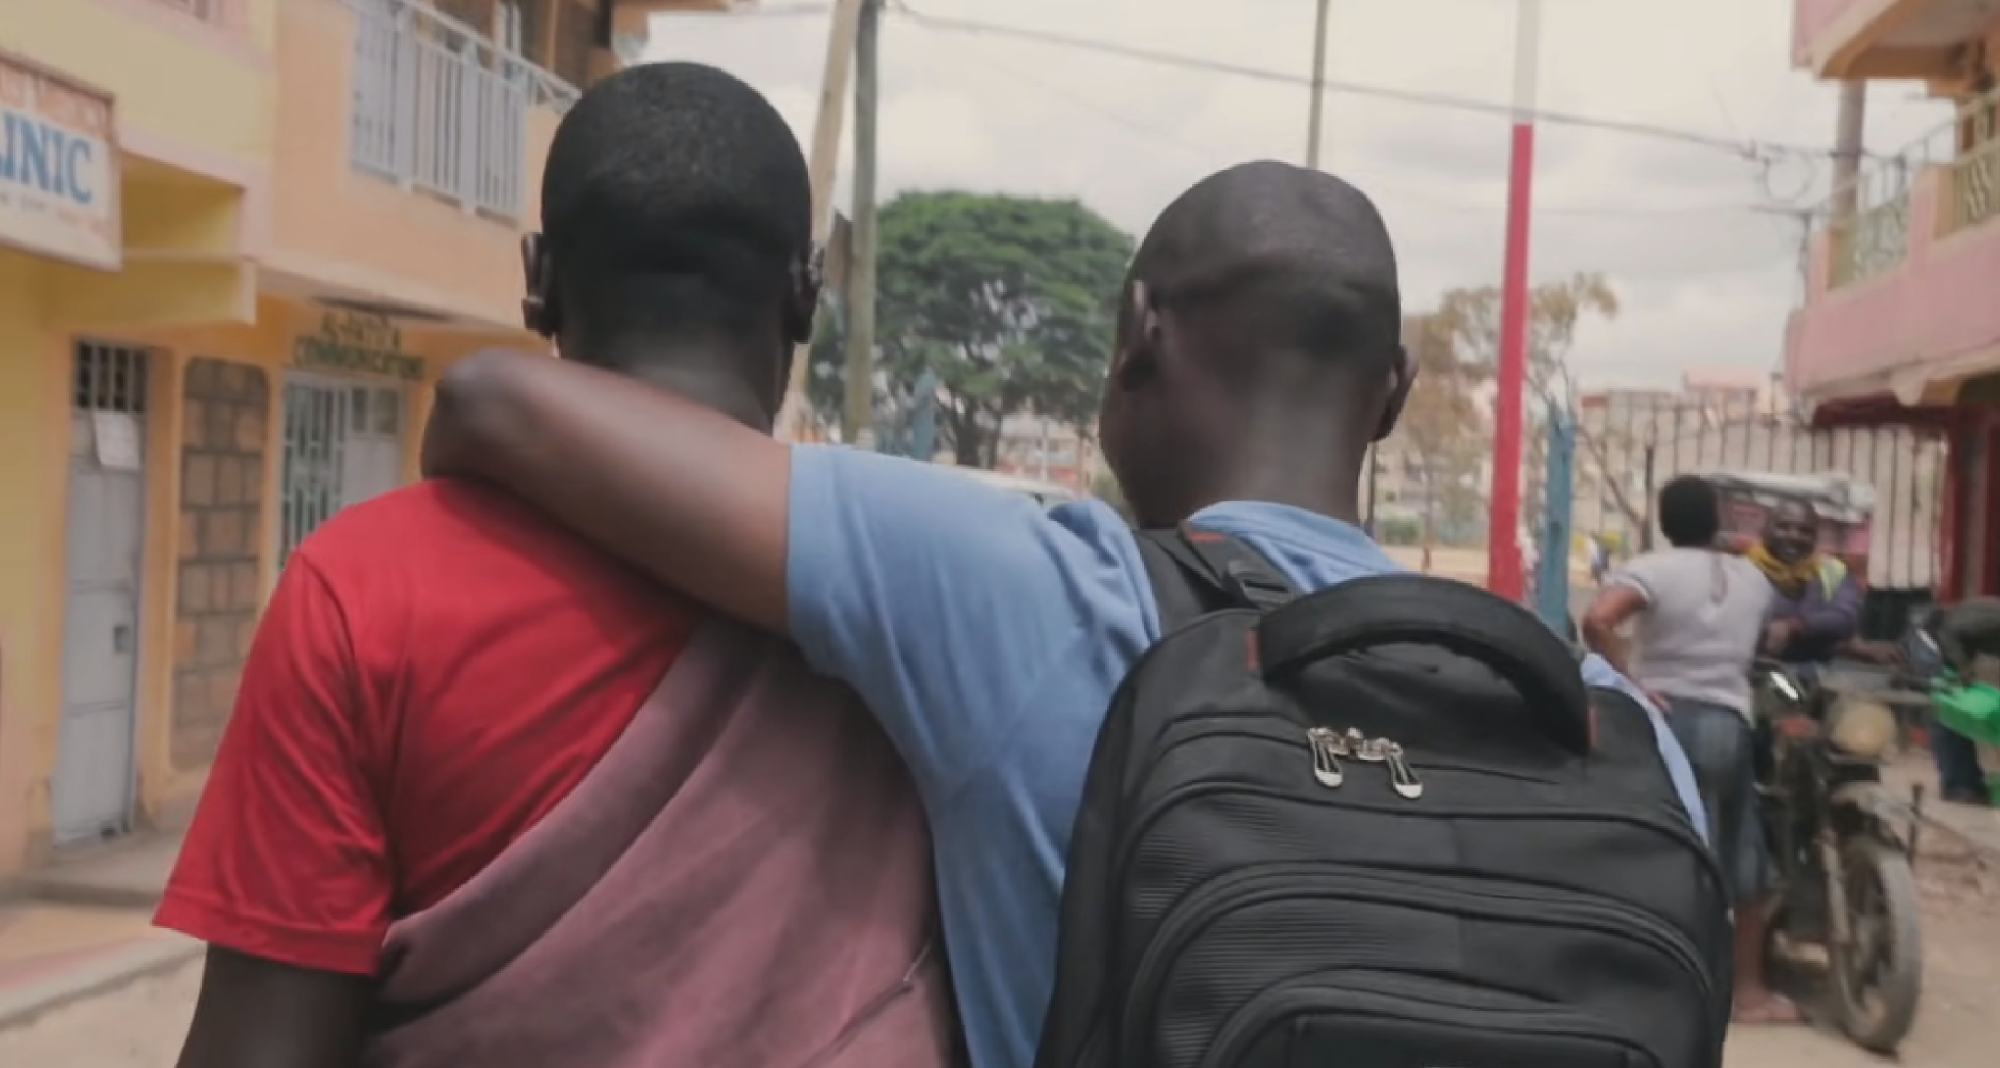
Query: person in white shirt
[1697, 615]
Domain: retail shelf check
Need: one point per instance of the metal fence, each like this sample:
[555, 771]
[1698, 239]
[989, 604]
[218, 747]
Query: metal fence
[1628, 447]
[439, 107]
[205, 10]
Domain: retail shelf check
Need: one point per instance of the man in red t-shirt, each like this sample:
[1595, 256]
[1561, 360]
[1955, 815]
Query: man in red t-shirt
[438, 668]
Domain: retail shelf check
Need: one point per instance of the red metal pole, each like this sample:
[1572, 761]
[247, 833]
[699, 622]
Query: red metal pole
[1503, 549]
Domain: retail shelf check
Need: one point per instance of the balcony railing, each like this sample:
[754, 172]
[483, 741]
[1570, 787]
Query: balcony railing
[1975, 173]
[1868, 222]
[1869, 225]
[439, 107]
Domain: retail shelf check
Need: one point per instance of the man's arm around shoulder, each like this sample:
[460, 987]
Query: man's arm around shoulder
[680, 490]
[941, 600]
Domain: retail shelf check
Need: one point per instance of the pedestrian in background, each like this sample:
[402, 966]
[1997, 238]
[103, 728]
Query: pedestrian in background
[1697, 615]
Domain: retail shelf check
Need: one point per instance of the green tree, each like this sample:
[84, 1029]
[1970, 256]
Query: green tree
[1010, 301]
[1399, 530]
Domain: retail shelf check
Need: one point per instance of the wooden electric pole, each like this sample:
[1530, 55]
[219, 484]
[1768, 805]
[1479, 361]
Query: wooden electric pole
[858, 429]
[823, 163]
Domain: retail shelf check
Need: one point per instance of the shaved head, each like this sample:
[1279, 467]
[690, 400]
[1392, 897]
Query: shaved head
[1306, 252]
[1259, 347]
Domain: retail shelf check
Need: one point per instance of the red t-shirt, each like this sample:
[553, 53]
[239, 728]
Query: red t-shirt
[437, 668]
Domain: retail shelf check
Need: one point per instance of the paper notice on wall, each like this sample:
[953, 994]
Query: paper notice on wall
[117, 436]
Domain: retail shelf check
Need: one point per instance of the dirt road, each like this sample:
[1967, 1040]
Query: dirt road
[1959, 1023]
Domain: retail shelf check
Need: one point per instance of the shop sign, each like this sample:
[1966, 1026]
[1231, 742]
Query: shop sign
[358, 343]
[58, 167]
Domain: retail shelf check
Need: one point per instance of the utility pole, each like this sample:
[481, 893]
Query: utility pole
[1315, 139]
[822, 164]
[1503, 548]
[858, 428]
[1318, 107]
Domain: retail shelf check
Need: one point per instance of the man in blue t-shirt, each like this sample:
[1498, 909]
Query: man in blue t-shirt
[1257, 357]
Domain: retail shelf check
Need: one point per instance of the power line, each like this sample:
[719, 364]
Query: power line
[1765, 152]
[1174, 140]
[781, 10]
[1755, 151]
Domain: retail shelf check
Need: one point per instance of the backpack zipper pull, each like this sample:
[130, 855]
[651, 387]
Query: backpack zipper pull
[1401, 776]
[1327, 749]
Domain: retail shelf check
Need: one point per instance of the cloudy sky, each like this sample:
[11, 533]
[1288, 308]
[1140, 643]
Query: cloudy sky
[1706, 280]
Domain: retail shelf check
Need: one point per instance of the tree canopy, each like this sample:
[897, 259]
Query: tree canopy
[1457, 349]
[1010, 301]
[1471, 319]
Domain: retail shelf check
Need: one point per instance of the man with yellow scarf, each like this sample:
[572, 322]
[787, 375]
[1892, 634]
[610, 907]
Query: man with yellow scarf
[1817, 606]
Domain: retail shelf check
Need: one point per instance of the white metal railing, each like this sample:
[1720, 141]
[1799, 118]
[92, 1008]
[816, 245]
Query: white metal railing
[1868, 222]
[439, 107]
[1975, 172]
[210, 11]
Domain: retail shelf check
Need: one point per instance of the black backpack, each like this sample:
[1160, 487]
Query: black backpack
[1321, 831]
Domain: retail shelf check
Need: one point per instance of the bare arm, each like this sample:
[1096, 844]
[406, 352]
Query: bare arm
[285, 870]
[1613, 605]
[688, 495]
[256, 1013]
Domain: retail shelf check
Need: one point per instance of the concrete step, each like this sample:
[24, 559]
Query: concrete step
[129, 873]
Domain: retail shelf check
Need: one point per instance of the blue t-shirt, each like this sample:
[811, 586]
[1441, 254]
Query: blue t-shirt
[988, 636]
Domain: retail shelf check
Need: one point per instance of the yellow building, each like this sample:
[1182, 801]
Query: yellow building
[238, 241]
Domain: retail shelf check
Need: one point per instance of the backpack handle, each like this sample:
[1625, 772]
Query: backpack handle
[1364, 613]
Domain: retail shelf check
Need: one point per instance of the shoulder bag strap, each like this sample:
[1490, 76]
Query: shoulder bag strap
[1195, 572]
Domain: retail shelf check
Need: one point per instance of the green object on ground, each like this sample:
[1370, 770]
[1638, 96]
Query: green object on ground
[1972, 710]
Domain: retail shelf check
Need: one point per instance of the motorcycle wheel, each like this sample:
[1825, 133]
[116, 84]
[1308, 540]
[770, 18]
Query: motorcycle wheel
[1878, 975]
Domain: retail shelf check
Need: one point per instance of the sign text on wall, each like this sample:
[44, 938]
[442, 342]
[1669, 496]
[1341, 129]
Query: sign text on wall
[358, 343]
[58, 167]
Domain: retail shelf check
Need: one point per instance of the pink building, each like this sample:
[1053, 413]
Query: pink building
[1901, 321]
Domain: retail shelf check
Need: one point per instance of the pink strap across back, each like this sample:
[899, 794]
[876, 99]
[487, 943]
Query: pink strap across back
[743, 881]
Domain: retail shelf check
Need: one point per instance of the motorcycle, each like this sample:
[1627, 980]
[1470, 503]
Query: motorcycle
[1842, 849]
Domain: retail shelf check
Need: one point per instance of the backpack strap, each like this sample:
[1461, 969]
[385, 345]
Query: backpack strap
[1194, 572]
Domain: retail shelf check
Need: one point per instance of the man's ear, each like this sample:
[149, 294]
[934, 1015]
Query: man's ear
[808, 276]
[1402, 376]
[1136, 355]
[540, 310]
